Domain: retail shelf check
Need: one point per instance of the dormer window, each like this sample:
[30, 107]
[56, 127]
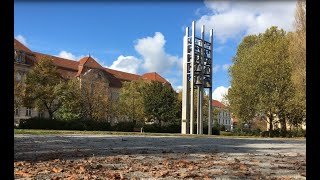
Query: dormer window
[19, 56]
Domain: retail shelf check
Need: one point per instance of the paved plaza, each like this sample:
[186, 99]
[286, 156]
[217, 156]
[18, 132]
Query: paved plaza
[157, 157]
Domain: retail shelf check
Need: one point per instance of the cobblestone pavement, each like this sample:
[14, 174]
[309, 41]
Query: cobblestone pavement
[157, 157]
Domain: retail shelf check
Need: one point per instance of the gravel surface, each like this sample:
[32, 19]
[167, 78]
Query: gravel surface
[157, 157]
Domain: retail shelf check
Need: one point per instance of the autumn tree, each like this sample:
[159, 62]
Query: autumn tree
[261, 77]
[93, 92]
[297, 57]
[18, 89]
[43, 87]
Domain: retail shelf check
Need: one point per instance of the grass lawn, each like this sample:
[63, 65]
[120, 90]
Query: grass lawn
[47, 132]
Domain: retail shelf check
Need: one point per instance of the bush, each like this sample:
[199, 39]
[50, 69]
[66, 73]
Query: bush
[215, 131]
[278, 133]
[40, 123]
[272, 133]
[76, 124]
[155, 128]
[123, 126]
[222, 128]
[246, 132]
[225, 133]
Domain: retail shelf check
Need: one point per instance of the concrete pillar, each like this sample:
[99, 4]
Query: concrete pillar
[185, 88]
[210, 89]
[192, 78]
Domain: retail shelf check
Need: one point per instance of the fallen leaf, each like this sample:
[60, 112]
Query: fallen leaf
[57, 170]
[243, 167]
[81, 169]
[23, 174]
[73, 177]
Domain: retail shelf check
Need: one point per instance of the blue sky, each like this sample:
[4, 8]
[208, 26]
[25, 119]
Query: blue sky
[146, 37]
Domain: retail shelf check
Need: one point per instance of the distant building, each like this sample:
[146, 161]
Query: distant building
[277, 125]
[224, 116]
[25, 59]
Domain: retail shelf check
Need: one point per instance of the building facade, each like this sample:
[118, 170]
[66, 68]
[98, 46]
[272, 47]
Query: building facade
[25, 59]
[223, 117]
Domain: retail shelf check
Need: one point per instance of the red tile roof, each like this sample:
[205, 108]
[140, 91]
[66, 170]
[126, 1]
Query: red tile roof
[90, 62]
[18, 45]
[123, 75]
[69, 68]
[60, 62]
[153, 76]
[216, 103]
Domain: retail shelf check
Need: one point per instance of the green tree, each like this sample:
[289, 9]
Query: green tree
[160, 102]
[261, 77]
[131, 102]
[43, 87]
[70, 98]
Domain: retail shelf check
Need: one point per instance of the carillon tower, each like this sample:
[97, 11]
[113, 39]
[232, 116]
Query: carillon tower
[197, 74]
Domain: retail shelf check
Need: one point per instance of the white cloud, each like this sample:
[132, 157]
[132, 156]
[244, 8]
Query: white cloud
[232, 19]
[70, 56]
[128, 64]
[219, 92]
[178, 88]
[67, 55]
[22, 39]
[154, 56]
[226, 67]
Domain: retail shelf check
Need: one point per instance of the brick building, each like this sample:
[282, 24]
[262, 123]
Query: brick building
[25, 59]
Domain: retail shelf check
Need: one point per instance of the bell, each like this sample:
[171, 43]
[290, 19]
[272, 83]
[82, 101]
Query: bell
[198, 81]
[198, 68]
[208, 61]
[207, 71]
[208, 83]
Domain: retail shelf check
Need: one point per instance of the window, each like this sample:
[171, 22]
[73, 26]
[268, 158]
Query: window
[19, 56]
[16, 111]
[28, 112]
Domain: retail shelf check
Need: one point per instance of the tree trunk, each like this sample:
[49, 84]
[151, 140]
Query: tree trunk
[283, 125]
[270, 122]
[50, 115]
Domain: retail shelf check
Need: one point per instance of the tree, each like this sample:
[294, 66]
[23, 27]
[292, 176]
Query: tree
[160, 102]
[205, 108]
[297, 57]
[43, 87]
[94, 98]
[261, 77]
[18, 89]
[71, 100]
[131, 102]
